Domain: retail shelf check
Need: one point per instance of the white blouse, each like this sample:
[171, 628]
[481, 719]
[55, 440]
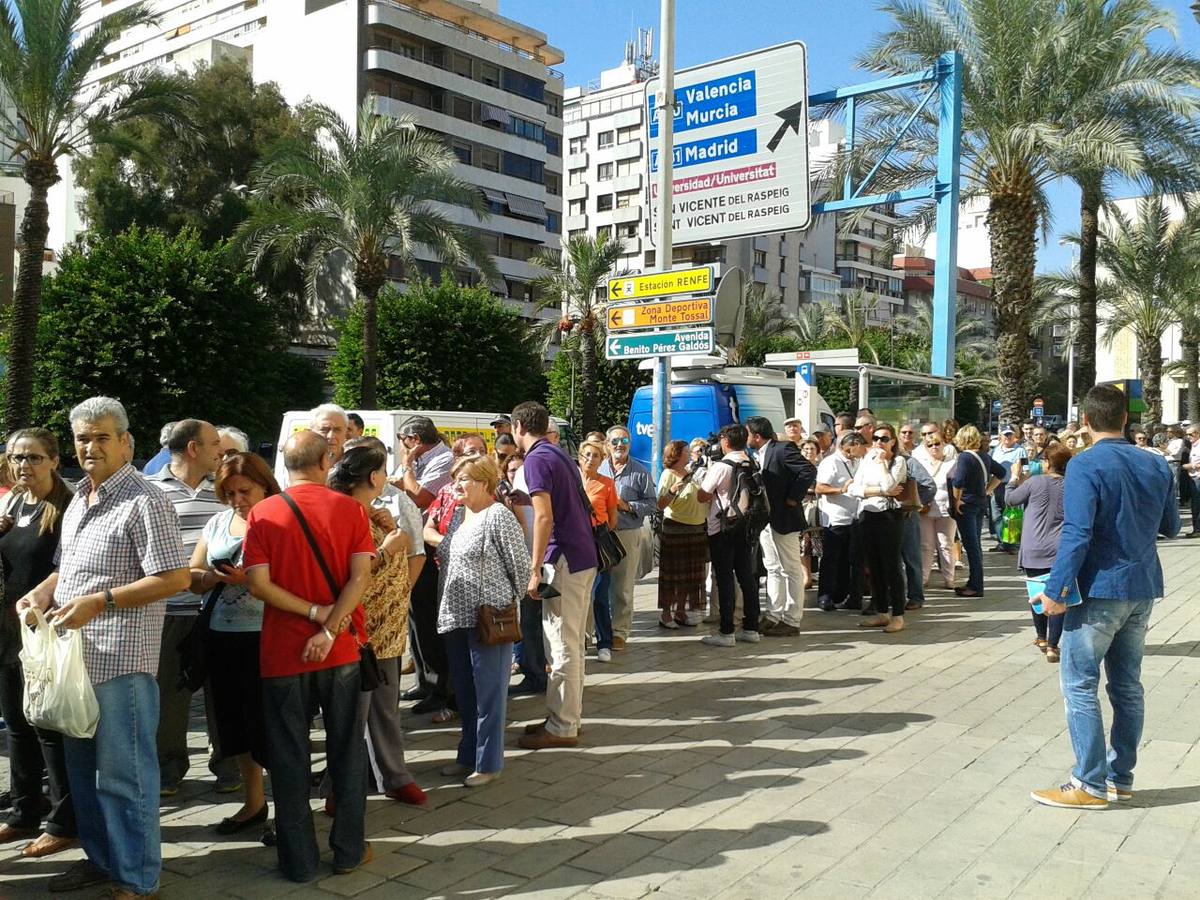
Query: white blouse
[483, 559]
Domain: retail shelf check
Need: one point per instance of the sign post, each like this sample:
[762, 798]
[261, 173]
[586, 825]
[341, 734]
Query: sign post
[742, 153]
[661, 415]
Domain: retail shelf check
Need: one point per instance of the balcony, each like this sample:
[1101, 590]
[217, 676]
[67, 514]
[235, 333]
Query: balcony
[576, 161]
[628, 150]
[576, 191]
[627, 117]
[466, 18]
[624, 214]
[624, 183]
[575, 223]
[575, 129]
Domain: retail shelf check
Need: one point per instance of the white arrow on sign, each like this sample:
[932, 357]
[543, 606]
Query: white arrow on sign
[613, 345]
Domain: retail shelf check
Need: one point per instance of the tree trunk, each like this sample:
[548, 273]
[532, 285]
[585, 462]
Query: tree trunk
[587, 377]
[369, 278]
[1189, 348]
[27, 297]
[1150, 366]
[1089, 235]
[1012, 220]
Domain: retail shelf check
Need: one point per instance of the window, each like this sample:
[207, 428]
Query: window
[462, 150]
[625, 135]
[460, 64]
[649, 259]
[436, 56]
[604, 172]
[553, 222]
[460, 108]
[626, 167]
[554, 106]
[627, 199]
[553, 184]
[705, 255]
[553, 144]
[760, 258]
[576, 233]
[629, 230]
[604, 139]
[522, 167]
[525, 85]
[489, 159]
[526, 128]
[577, 145]
[576, 176]
[577, 208]
[489, 73]
[604, 231]
[604, 202]
[782, 264]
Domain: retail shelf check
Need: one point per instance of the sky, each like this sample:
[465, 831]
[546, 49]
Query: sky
[592, 34]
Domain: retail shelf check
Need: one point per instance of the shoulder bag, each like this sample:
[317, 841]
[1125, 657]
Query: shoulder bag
[496, 625]
[369, 673]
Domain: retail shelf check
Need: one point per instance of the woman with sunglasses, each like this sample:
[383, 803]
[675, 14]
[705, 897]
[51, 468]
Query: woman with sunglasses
[938, 528]
[879, 480]
[30, 528]
[602, 494]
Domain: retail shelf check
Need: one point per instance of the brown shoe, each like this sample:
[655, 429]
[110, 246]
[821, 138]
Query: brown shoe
[8, 834]
[618, 643]
[543, 740]
[875, 621]
[780, 629]
[81, 874]
[1052, 655]
[368, 855]
[120, 893]
[45, 845]
[1067, 796]
[897, 624]
[541, 726]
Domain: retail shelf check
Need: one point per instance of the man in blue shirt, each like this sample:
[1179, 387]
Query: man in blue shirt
[1116, 499]
[636, 499]
[1007, 454]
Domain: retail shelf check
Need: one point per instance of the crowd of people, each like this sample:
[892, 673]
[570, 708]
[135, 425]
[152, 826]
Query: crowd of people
[316, 596]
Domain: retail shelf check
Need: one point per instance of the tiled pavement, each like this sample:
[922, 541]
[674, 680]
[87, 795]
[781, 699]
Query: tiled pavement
[837, 764]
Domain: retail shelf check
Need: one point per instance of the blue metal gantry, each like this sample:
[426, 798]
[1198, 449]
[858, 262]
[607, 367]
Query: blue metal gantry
[945, 77]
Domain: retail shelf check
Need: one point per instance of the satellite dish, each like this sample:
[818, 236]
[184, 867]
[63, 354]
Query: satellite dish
[730, 313]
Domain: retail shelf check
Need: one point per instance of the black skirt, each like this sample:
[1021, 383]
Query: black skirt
[237, 693]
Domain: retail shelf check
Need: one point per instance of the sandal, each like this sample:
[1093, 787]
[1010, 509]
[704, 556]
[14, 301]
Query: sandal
[444, 715]
[45, 845]
[1041, 644]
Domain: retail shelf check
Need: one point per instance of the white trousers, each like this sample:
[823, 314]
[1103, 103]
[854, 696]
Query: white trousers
[937, 539]
[784, 563]
[624, 579]
[564, 620]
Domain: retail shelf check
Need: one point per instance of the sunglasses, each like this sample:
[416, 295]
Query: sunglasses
[882, 438]
[34, 459]
[619, 441]
[936, 444]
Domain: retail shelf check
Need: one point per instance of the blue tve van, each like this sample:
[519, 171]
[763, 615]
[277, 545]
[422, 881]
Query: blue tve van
[704, 401]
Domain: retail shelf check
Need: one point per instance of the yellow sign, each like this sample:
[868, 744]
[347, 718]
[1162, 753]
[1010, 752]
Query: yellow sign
[663, 314]
[662, 284]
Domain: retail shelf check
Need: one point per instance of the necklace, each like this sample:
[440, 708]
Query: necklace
[24, 518]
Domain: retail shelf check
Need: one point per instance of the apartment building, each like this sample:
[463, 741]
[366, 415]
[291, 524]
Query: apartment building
[457, 67]
[605, 127]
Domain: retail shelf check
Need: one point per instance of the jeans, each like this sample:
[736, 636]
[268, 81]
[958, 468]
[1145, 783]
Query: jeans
[735, 561]
[882, 535]
[1113, 631]
[286, 704]
[115, 784]
[602, 610]
[970, 522]
[836, 581]
[912, 555]
[533, 645]
[480, 676]
[30, 752]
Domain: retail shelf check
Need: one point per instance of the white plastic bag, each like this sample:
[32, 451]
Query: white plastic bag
[58, 691]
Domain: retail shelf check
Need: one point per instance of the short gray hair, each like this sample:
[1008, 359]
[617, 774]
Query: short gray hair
[239, 437]
[328, 409]
[94, 409]
[184, 433]
[164, 434]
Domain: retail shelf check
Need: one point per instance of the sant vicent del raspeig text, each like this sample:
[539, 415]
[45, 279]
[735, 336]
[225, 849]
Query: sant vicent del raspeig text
[702, 211]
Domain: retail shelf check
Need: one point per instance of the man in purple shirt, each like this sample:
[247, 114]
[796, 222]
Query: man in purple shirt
[562, 539]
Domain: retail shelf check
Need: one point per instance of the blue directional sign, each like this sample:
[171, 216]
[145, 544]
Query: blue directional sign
[643, 344]
[742, 151]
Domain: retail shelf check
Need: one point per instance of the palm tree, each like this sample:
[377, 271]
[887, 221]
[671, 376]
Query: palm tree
[1021, 123]
[853, 320]
[574, 283]
[812, 324]
[1148, 263]
[52, 114]
[1146, 91]
[366, 194]
[764, 321]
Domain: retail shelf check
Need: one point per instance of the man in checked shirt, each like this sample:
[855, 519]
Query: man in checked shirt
[120, 555]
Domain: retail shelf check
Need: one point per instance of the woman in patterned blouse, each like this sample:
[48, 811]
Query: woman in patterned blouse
[361, 473]
[483, 560]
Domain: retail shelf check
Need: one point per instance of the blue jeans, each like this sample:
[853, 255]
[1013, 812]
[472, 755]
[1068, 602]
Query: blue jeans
[1113, 631]
[114, 783]
[480, 675]
[602, 610]
[970, 523]
[287, 708]
[911, 553]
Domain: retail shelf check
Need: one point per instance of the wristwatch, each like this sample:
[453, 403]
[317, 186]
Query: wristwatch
[401, 471]
[109, 602]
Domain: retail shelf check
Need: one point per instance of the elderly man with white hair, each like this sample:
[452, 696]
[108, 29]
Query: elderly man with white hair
[331, 422]
[121, 555]
[233, 440]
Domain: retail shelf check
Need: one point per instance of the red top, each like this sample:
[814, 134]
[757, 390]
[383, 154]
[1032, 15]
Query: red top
[602, 491]
[441, 510]
[274, 538]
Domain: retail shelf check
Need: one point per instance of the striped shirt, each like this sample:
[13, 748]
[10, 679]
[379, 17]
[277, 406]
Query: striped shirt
[130, 532]
[194, 508]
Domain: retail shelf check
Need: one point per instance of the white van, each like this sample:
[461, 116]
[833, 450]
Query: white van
[385, 423]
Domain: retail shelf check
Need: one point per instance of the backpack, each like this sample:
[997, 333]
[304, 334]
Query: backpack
[748, 511]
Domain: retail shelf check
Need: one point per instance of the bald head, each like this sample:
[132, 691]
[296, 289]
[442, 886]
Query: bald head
[306, 452]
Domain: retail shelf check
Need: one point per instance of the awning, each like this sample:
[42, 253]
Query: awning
[490, 113]
[494, 196]
[530, 209]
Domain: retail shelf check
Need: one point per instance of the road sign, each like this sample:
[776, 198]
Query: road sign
[664, 314]
[640, 345]
[697, 280]
[737, 170]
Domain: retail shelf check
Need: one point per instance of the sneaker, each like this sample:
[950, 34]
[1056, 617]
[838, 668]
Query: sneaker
[748, 637]
[782, 630]
[604, 655]
[1116, 794]
[765, 625]
[671, 623]
[410, 794]
[694, 617]
[1067, 796]
[479, 779]
[718, 640]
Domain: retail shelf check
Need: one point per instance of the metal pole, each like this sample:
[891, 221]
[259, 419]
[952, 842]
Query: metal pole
[665, 108]
[945, 272]
[1070, 379]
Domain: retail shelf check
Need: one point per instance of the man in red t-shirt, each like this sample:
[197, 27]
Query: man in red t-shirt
[307, 653]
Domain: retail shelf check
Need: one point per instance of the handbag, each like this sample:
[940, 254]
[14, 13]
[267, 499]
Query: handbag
[58, 694]
[609, 549]
[496, 625]
[370, 675]
[1010, 529]
[909, 499]
[193, 646]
